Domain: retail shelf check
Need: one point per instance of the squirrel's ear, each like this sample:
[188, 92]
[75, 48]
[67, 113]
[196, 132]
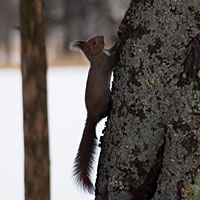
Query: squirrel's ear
[75, 45]
[79, 45]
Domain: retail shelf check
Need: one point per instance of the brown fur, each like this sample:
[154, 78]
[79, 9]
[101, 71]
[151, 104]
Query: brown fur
[97, 99]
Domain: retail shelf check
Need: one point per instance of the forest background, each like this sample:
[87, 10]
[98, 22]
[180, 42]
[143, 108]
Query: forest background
[66, 20]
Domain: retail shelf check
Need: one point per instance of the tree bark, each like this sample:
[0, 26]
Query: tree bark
[151, 145]
[34, 66]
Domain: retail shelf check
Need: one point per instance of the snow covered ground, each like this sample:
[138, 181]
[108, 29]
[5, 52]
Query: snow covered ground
[66, 121]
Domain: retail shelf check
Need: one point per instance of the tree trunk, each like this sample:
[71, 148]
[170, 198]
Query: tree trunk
[34, 66]
[151, 146]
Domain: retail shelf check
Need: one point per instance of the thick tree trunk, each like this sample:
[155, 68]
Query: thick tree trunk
[151, 146]
[34, 67]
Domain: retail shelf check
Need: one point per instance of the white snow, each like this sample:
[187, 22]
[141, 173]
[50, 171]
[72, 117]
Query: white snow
[67, 115]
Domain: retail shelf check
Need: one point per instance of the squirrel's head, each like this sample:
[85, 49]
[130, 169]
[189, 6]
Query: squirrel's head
[93, 46]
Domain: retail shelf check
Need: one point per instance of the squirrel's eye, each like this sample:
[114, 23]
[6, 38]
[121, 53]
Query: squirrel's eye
[94, 43]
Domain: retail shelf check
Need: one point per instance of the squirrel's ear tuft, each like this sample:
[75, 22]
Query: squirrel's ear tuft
[76, 45]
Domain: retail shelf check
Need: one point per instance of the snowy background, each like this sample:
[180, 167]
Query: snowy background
[67, 115]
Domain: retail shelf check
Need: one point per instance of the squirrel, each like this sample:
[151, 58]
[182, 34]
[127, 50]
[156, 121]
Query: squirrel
[97, 100]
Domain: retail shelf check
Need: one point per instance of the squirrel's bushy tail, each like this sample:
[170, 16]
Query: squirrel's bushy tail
[85, 156]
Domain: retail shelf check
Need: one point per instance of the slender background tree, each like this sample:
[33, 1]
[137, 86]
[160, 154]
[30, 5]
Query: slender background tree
[151, 146]
[34, 66]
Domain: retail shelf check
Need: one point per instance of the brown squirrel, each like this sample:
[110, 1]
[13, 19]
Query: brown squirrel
[97, 100]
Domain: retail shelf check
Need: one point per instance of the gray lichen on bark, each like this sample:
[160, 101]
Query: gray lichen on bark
[150, 149]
